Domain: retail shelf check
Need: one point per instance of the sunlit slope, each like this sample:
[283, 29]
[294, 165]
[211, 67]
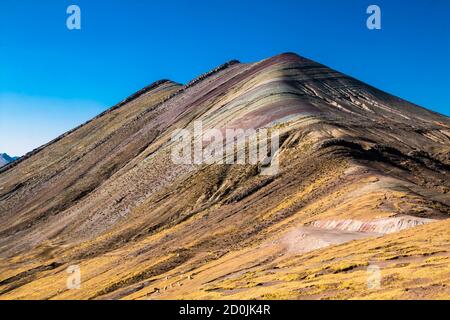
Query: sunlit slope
[65, 171]
[363, 176]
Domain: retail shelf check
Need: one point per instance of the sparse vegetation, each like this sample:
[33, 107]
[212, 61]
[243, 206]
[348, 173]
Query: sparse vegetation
[107, 198]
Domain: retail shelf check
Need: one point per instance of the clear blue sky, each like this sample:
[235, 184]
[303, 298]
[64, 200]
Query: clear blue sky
[52, 79]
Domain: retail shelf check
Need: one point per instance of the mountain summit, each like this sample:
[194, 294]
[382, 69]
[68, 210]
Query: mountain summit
[5, 159]
[363, 184]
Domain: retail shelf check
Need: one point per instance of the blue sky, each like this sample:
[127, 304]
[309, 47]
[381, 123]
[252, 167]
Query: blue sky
[52, 79]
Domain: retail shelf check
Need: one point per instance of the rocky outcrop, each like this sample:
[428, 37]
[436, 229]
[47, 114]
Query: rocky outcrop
[380, 226]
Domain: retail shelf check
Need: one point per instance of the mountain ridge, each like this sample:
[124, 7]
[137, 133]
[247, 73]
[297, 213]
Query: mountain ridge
[190, 83]
[357, 166]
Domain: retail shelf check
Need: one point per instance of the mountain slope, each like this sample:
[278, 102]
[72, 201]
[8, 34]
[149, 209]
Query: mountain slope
[357, 166]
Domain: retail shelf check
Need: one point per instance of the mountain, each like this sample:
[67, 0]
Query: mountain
[5, 159]
[361, 193]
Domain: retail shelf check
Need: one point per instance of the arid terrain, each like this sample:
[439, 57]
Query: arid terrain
[363, 184]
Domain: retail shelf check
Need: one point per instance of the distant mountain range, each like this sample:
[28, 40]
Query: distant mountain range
[359, 207]
[5, 159]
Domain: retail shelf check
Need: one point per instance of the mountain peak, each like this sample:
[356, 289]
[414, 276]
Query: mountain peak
[353, 162]
[6, 159]
[288, 57]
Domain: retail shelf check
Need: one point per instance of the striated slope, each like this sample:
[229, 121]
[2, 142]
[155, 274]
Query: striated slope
[55, 177]
[355, 163]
